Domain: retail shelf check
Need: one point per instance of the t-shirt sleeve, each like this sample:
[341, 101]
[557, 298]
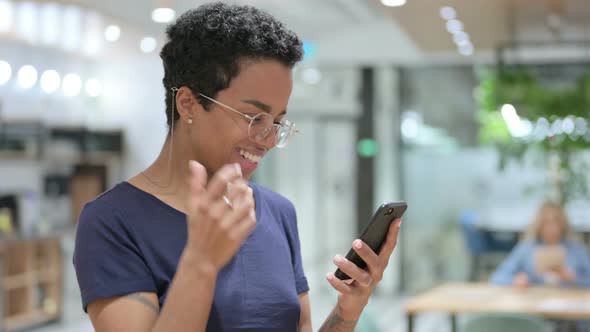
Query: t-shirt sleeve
[293, 236]
[106, 259]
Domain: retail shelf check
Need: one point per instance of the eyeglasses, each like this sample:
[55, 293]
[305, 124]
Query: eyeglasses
[262, 125]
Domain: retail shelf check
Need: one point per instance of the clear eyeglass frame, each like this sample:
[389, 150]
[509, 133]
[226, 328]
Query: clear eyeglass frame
[262, 124]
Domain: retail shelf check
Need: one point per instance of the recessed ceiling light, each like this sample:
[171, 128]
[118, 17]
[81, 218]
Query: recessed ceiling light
[448, 13]
[311, 76]
[50, 81]
[148, 44]
[5, 72]
[461, 38]
[393, 3]
[112, 33]
[72, 84]
[27, 77]
[6, 12]
[163, 15]
[466, 49]
[454, 26]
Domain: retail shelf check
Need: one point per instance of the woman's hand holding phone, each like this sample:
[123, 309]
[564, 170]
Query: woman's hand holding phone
[354, 294]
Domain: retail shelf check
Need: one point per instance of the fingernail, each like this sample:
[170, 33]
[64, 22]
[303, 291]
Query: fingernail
[191, 163]
[337, 259]
[238, 168]
[358, 244]
[329, 276]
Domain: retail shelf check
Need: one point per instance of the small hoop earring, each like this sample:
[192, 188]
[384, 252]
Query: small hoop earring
[190, 121]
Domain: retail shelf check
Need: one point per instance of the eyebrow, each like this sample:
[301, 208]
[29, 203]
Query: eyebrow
[262, 106]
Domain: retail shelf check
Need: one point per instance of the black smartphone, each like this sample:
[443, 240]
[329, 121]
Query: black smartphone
[375, 233]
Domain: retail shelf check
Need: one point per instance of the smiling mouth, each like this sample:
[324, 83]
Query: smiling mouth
[250, 156]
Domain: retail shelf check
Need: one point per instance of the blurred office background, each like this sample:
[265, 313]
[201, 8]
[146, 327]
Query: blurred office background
[473, 111]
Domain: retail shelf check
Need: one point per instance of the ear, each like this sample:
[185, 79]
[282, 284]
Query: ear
[186, 103]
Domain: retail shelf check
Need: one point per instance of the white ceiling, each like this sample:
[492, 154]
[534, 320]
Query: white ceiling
[492, 22]
[364, 31]
[339, 28]
[309, 18]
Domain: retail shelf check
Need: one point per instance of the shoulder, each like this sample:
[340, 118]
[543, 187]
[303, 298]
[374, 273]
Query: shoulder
[525, 246]
[105, 209]
[274, 199]
[576, 247]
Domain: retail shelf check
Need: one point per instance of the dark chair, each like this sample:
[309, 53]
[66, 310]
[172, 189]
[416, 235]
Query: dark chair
[483, 246]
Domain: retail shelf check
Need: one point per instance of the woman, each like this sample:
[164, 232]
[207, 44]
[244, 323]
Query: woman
[547, 256]
[188, 244]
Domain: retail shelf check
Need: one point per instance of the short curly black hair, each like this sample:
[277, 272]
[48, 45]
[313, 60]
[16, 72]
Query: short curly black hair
[206, 46]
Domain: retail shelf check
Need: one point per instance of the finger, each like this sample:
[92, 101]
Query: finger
[217, 211]
[366, 253]
[242, 218]
[359, 275]
[244, 227]
[197, 181]
[338, 284]
[218, 185]
[391, 240]
[239, 191]
[241, 208]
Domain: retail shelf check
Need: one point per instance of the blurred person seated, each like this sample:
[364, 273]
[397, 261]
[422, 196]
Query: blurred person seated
[547, 255]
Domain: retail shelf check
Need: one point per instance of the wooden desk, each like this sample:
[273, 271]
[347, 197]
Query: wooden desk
[462, 298]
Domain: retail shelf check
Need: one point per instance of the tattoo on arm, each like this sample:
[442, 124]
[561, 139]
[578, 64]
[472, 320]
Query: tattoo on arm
[337, 324]
[140, 298]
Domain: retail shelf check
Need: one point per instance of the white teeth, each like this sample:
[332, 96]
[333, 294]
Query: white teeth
[250, 157]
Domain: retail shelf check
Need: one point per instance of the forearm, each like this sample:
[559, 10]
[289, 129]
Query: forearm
[189, 299]
[337, 322]
[501, 278]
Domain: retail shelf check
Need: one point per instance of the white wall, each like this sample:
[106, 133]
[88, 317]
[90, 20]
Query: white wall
[387, 161]
[134, 100]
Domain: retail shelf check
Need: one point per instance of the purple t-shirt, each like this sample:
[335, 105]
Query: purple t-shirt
[129, 241]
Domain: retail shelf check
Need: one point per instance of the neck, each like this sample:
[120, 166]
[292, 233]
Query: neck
[169, 172]
[552, 242]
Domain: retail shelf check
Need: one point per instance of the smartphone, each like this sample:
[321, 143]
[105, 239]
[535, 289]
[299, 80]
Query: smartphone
[375, 233]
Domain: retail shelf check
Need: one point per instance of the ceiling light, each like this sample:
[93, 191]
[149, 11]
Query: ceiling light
[112, 33]
[49, 21]
[516, 126]
[50, 81]
[27, 77]
[71, 27]
[6, 13]
[448, 13]
[541, 129]
[461, 38]
[93, 41]
[580, 126]
[93, 87]
[27, 23]
[466, 49]
[5, 72]
[311, 76]
[568, 125]
[411, 124]
[148, 44]
[72, 84]
[454, 26]
[393, 3]
[556, 128]
[163, 15]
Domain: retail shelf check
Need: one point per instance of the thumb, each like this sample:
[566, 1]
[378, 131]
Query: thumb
[197, 181]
